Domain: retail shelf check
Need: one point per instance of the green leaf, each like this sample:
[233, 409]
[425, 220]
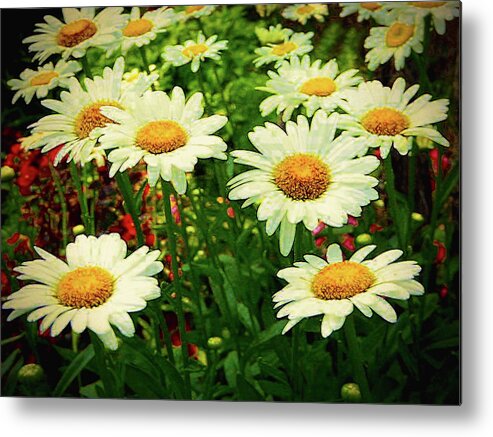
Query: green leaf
[9, 361]
[277, 389]
[74, 369]
[231, 368]
[246, 391]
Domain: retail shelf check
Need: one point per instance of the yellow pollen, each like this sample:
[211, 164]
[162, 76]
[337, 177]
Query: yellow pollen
[318, 86]
[427, 5]
[76, 32]
[342, 280]
[284, 48]
[43, 78]
[85, 287]
[90, 118]
[305, 9]
[385, 121]
[161, 136]
[371, 6]
[302, 176]
[137, 27]
[194, 50]
[398, 34]
[192, 9]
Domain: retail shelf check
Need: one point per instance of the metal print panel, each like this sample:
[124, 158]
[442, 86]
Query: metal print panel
[232, 202]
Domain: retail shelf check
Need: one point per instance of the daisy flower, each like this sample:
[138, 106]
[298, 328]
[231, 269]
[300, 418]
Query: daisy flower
[96, 287]
[314, 86]
[365, 10]
[39, 82]
[77, 121]
[296, 44]
[396, 40]
[272, 35]
[195, 51]
[79, 30]
[303, 12]
[141, 30]
[165, 131]
[440, 12]
[195, 11]
[304, 174]
[384, 117]
[334, 287]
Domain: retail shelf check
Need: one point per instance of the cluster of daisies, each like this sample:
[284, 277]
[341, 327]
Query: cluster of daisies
[313, 170]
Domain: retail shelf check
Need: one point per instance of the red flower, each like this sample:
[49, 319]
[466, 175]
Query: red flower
[377, 153]
[23, 244]
[443, 292]
[172, 323]
[348, 242]
[320, 227]
[446, 162]
[441, 252]
[6, 289]
[375, 228]
[319, 241]
[231, 212]
[352, 221]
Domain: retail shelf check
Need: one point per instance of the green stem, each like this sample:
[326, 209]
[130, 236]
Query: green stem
[167, 191]
[81, 195]
[159, 318]
[85, 66]
[392, 194]
[356, 359]
[63, 205]
[143, 57]
[125, 186]
[202, 87]
[229, 125]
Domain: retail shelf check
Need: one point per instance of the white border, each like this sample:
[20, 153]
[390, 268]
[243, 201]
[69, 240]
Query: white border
[135, 418]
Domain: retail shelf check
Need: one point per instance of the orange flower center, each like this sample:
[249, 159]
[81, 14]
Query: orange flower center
[371, 6]
[398, 34]
[137, 27]
[76, 32]
[342, 280]
[194, 50]
[43, 78]
[385, 121]
[90, 118]
[318, 86]
[284, 48]
[427, 5]
[85, 287]
[161, 136]
[302, 176]
[305, 9]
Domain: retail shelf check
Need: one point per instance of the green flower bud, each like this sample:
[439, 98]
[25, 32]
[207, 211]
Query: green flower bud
[424, 143]
[7, 173]
[364, 239]
[417, 217]
[31, 374]
[78, 229]
[379, 203]
[350, 392]
[214, 342]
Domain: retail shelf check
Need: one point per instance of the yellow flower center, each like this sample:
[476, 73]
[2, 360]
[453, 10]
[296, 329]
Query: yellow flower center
[284, 48]
[43, 78]
[398, 34]
[161, 136]
[342, 280]
[192, 9]
[137, 27]
[318, 86]
[90, 118]
[305, 9]
[76, 32]
[371, 6]
[302, 176]
[427, 5]
[194, 50]
[85, 287]
[385, 121]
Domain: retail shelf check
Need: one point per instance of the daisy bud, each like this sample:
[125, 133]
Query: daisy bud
[364, 239]
[417, 217]
[379, 203]
[424, 143]
[7, 173]
[350, 392]
[214, 343]
[78, 229]
[31, 374]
